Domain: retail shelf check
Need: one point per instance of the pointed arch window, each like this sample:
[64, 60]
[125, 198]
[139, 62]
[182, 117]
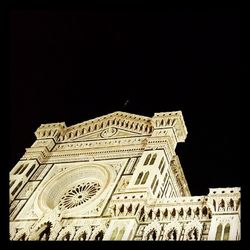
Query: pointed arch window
[165, 177]
[153, 159]
[163, 167]
[16, 188]
[120, 234]
[172, 235]
[160, 165]
[83, 236]
[23, 237]
[114, 234]
[152, 185]
[30, 170]
[145, 178]
[11, 183]
[99, 236]
[19, 169]
[22, 170]
[45, 234]
[152, 235]
[147, 159]
[156, 185]
[226, 232]
[218, 232]
[138, 178]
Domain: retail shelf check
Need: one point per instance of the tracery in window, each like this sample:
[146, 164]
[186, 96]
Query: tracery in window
[79, 194]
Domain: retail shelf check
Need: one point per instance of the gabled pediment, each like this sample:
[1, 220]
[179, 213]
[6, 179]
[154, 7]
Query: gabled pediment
[110, 132]
[115, 125]
[126, 124]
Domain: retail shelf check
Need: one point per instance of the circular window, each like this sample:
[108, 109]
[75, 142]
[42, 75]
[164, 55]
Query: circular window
[79, 194]
[76, 190]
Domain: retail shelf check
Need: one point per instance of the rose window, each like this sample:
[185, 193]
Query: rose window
[77, 195]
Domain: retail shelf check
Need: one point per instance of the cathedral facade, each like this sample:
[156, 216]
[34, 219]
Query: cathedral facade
[115, 177]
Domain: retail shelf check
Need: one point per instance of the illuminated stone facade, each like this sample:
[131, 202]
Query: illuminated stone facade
[116, 177]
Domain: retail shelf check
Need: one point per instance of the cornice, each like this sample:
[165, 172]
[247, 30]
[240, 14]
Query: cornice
[137, 124]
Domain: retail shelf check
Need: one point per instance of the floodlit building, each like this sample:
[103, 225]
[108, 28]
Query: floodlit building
[115, 177]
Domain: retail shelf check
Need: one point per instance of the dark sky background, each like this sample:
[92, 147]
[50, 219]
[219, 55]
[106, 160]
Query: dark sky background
[76, 65]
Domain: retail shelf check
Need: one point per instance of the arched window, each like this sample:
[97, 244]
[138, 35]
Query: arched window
[193, 234]
[152, 235]
[145, 178]
[231, 204]
[130, 208]
[204, 211]
[214, 204]
[11, 183]
[99, 236]
[189, 212]
[158, 213]
[150, 214]
[226, 232]
[165, 214]
[153, 159]
[66, 237]
[172, 235]
[142, 213]
[17, 187]
[114, 234]
[156, 185]
[83, 236]
[120, 234]
[197, 211]
[160, 165]
[18, 170]
[139, 178]
[122, 208]
[44, 235]
[222, 205]
[152, 185]
[147, 159]
[165, 177]
[218, 232]
[238, 204]
[163, 167]
[22, 238]
[22, 170]
[173, 213]
[30, 170]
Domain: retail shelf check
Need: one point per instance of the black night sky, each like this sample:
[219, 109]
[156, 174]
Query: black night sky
[76, 65]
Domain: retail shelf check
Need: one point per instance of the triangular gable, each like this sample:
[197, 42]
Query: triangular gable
[121, 124]
[110, 132]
